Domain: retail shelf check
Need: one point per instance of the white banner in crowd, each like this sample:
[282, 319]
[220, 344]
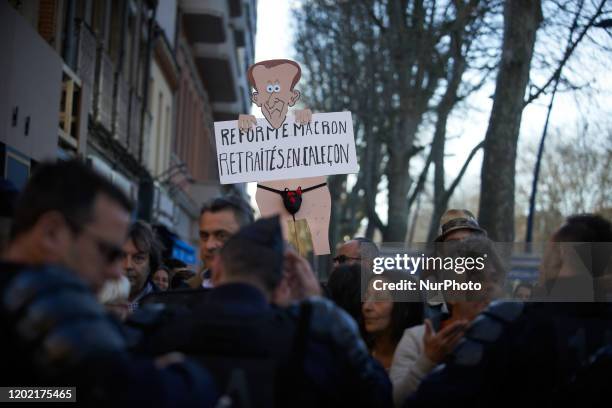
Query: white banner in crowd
[323, 147]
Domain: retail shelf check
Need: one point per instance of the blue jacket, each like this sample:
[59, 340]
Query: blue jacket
[514, 352]
[54, 332]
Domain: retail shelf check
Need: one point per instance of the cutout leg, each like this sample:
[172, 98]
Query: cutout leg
[316, 209]
[271, 204]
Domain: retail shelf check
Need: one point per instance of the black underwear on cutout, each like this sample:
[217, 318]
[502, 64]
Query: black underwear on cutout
[292, 199]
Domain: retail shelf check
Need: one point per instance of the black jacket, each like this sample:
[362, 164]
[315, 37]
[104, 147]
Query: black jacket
[305, 355]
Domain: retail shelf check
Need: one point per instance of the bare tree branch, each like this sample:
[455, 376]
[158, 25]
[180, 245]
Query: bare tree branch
[455, 183]
[421, 181]
[569, 50]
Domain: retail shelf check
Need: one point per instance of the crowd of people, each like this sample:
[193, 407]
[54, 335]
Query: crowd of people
[88, 301]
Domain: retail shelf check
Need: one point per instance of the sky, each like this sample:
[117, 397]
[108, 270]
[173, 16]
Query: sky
[274, 40]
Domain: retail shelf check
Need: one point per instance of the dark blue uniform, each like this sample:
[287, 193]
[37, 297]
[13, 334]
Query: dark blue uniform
[516, 353]
[54, 332]
[305, 355]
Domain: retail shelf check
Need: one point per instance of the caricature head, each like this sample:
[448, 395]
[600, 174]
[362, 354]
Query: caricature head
[274, 82]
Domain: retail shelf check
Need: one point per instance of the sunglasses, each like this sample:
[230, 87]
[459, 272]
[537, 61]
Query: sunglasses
[343, 258]
[111, 252]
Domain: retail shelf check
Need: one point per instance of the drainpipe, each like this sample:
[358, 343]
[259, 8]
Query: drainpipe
[145, 95]
[69, 46]
[124, 25]
[146, 188]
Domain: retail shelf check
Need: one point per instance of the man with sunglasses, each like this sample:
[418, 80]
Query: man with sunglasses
[353, 263]
[356, 251]
[68, 228]
[61, 220]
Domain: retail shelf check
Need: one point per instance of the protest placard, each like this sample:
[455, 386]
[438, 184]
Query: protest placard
[325, 146]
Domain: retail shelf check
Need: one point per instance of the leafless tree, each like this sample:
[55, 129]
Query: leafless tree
[397, 65]
[575, 177]
[521, 22]
[555, 69]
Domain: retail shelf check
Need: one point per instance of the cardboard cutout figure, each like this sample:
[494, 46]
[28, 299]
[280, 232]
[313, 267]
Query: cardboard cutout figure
[307, 199]
[314, 207]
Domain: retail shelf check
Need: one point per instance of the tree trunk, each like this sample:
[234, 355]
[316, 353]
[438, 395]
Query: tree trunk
[521, 21]
[439, 173]
[439, 140]
[397, 213]
[399, 180]
[336, 186]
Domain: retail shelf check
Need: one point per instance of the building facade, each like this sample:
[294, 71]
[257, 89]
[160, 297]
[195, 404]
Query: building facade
[131, 86]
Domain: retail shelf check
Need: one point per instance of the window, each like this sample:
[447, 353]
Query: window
[129, 58]
[115, 30]
[70, 109]
[17, 169]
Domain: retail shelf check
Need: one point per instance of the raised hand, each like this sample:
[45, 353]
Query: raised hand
[246, 122]
[438, 345]
[300, 277]
[303, 116]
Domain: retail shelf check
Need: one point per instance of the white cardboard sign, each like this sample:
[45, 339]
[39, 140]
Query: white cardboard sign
[323, 147]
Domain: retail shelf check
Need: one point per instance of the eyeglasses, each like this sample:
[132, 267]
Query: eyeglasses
[343, 258]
